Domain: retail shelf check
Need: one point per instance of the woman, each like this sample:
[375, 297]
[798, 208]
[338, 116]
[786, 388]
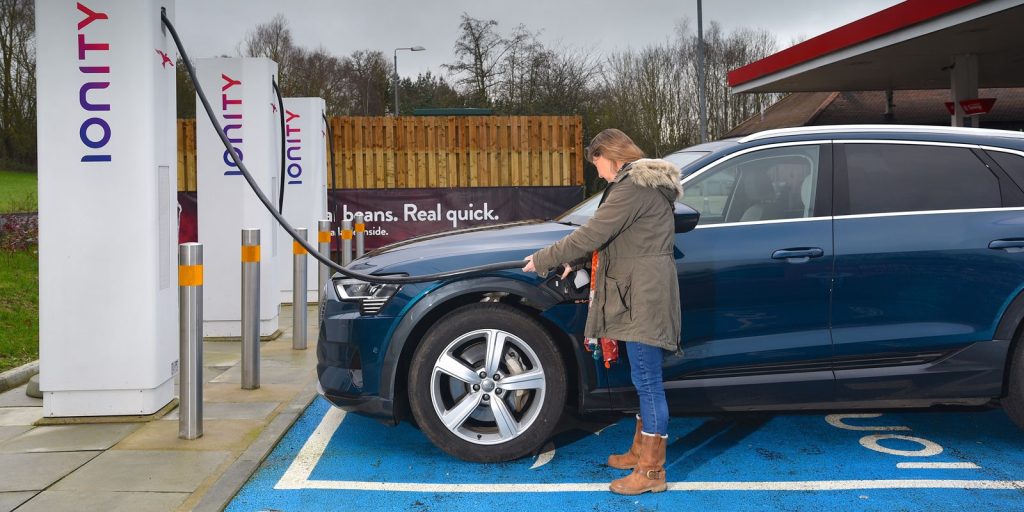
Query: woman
[635, 297]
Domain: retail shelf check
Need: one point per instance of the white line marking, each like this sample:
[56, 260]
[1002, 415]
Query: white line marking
[297, 477]
[836, 420]
[937, 465]
[297, 474]
[821, 485]
[545, 456]
[928, 448]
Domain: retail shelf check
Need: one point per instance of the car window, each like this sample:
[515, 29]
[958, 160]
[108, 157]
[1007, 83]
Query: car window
[1012, 163]
[582, 212]
[769, 184]
[885, 178]
[683, 158]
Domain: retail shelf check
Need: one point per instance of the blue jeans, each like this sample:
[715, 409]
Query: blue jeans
[645, 370]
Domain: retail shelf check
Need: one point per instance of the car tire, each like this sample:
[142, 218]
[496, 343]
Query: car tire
[1013, 404]
[469, 415]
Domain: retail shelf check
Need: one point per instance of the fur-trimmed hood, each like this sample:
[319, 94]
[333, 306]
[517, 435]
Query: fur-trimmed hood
[654, 173]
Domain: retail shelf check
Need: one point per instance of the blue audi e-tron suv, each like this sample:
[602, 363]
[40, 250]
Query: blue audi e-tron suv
[832, 267]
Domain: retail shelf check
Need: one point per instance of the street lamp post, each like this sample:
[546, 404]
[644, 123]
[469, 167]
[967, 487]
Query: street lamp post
[395, 80]
[701, 100]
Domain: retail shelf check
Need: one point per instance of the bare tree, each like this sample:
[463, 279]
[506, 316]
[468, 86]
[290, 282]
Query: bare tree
[272, 40]
[651, 93]
[316, 74]
[17, 81]
[479, 50]
[367, 84]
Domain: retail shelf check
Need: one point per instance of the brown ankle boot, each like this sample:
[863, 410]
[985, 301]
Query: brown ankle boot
[649, 475]
[629, 459]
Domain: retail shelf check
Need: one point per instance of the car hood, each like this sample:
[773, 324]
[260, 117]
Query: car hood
[441, 252]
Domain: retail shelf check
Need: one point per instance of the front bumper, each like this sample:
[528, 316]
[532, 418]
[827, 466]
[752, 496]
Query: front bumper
[350, 354]
[372, 406]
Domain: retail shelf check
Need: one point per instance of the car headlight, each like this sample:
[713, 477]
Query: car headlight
[371, 297]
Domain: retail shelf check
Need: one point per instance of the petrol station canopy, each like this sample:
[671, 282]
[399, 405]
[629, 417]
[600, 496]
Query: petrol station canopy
[912, 45]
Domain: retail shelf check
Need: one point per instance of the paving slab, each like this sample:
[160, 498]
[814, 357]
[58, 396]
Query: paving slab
[17, 398]
[9, 432]
[69, 438]
[152, 471]
[48, 501]
[269, 374]
[15, 416]
[37, 471]
[232, 392]
[11, 500]
[229, 435]
[232, 411]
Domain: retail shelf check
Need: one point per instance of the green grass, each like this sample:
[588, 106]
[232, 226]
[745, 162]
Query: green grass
[19, 308]
[18, 192]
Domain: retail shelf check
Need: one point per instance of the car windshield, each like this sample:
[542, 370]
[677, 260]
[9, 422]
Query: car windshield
[583, 211]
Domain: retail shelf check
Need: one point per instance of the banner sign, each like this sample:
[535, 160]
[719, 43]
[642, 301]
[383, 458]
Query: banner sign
[393, 215]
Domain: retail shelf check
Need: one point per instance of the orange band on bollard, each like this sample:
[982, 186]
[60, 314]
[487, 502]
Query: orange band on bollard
[250, 254]
[346, 234]
[360, 228]
[190, 275]
[324, 237]
[297, 248]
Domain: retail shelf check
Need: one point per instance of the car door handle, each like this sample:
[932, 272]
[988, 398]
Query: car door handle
[1008, 245]
[797, 253]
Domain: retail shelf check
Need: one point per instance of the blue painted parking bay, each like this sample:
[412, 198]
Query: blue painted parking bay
[928, 460]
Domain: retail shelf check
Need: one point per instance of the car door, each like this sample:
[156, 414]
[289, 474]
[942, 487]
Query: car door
[754, 279]
[920, 272]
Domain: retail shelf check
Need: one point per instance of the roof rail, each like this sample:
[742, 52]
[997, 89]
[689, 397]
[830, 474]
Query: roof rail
[869, 128]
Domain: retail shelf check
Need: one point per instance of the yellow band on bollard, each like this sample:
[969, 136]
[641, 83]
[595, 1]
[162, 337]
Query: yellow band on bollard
[250, 254]
[360, 228]
[297, 248]
[190, 275]
[324, 237]
[346, 234]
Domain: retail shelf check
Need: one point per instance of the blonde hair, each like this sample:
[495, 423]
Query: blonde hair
[614, 145]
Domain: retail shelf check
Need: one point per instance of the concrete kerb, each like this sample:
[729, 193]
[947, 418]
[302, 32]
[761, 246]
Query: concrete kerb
[17, 376]
[217, 497]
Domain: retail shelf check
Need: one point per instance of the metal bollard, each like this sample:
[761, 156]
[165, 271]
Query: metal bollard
[250, 308]
[190, 357]
[299, 303]
[360, 235]
[324, 239]
[346, 242]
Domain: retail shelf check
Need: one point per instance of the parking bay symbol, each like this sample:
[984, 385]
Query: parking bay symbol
[872, 442]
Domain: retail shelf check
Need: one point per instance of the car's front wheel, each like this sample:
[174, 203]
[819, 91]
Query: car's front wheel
[487, 383]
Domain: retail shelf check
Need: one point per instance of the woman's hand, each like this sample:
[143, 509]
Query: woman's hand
[567, 271]
[529, 265]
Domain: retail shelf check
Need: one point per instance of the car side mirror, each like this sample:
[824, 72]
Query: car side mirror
[686, 218]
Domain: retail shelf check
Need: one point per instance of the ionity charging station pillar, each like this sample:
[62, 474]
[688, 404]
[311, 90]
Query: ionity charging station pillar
[242, 95]
[108, 307]
[305, 184]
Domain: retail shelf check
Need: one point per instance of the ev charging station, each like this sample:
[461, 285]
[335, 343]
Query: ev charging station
[108, 295]
[305, 184]
[243, 98]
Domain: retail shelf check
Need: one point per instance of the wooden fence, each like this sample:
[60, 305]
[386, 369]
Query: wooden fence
[439, 152]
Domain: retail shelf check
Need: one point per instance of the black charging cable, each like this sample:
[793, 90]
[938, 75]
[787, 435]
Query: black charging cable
[330, 149]
[280, 182]
[284, 223]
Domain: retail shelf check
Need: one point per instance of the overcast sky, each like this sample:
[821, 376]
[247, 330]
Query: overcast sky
[214, 27]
